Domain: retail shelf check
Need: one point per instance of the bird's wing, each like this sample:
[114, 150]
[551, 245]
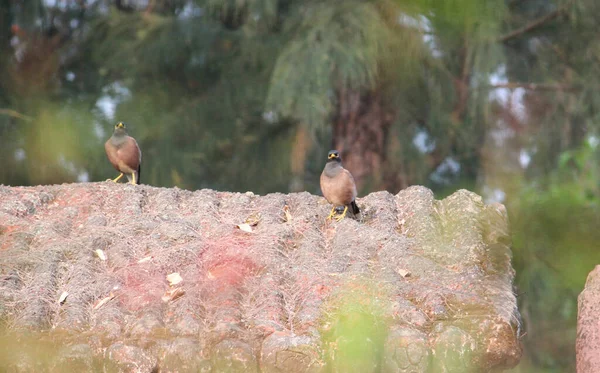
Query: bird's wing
[139, 151]
[129, 154]
[351, 184]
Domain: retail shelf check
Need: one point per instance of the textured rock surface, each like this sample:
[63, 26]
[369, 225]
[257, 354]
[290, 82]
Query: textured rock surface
[417, 285]
[588, 327]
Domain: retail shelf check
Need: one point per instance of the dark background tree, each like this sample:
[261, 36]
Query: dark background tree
[498, 96]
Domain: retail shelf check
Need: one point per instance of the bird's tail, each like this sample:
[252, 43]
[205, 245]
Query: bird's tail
[355, 209]
[137, 178]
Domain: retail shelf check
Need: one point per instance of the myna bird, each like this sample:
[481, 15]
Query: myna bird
[337, 185]
[124, 154]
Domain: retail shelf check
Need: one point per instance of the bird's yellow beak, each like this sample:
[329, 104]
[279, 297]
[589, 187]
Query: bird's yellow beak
[120, 125]
[332, 156]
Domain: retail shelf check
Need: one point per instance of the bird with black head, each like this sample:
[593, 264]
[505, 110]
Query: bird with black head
[338, 187]
[124, 154]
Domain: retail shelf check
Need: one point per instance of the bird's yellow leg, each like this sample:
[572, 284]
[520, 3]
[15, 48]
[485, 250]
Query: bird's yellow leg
[331, 213]
[132, 178]
[338, 218]
[118, 177]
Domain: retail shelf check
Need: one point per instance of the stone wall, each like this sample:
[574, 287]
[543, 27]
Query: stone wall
[138, 278]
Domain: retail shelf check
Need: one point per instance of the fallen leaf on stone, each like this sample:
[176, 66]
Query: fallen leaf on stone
[245, 227]
[146, 259]
[288, 215]
[103, 301]
[174, 278]
[403, 272]
[172, 294]
[253, 219]
[101, 254]
[63, 297]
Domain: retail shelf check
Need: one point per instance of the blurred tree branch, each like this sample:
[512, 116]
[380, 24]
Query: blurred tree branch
[536, 86]
[535, 23]
[15, 114]
[123, 6]
[513, 3]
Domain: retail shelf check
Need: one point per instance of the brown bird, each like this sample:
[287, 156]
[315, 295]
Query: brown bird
[124, 154]
[337, 185]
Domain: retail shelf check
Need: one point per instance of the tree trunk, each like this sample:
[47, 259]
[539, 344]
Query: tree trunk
[300, 148]
[360, 131]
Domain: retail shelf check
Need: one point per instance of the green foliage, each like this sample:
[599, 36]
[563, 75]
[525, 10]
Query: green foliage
[355, 331]
[209, 69]
[335, 45]
[555, 244]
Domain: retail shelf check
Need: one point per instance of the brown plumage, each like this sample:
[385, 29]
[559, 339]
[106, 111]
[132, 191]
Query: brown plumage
[124, 154]
[337, 185]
